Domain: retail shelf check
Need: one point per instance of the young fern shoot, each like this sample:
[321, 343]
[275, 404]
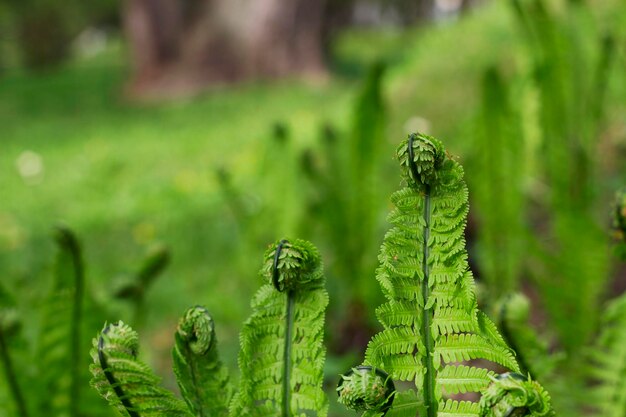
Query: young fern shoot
[199, 372]
[282, 353]
[431, 320]
[281, 358]
[124, 381]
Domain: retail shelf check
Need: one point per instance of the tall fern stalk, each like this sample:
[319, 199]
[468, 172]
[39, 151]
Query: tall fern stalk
[427, 314]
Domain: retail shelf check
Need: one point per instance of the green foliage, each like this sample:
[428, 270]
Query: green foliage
[282, 353]
[202, 378]
[9, 323]
[609, 362]
[281, 359]
[366, 389]
[532, 350]
[497, 178]
[345, 188]
[125, 382]
[571, 61]
[514, 395]
[54, 369]
[431, 319]
[133, 287]
[59, 349]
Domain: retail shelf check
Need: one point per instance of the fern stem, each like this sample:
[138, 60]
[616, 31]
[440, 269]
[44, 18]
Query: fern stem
[75, 335]
[427, 316]
[111, 379]
[287, 354]
[12, 378]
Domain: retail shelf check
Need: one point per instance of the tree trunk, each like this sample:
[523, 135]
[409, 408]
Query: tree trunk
[179, 47]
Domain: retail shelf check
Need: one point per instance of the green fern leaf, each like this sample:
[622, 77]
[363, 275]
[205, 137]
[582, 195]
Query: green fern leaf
[202, 379]
[282, 352]
[452, 408]
[127, 384]
[431, 320]
[60, 346]
[456, 379]
[609, 359]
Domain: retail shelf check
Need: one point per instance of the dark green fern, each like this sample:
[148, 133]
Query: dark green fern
[431, 320]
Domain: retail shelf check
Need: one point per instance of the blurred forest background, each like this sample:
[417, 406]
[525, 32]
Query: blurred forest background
[193, 133]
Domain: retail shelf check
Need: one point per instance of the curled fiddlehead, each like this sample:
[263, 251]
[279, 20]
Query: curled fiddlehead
[125, 382]
[203, 380]
[282, 352]
[365, 388]
[513, 395]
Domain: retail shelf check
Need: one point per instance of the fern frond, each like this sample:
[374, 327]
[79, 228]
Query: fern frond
[452, 408]
[464, 347]
[609, 360]
[282, 352]
[431, 319]
[203, 380]
[366, 389]
[405, 404]
[456, 379]
[512, 394]
[127, 384]
[60, 345]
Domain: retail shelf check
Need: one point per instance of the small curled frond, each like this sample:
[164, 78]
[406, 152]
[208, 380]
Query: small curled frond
[290, 265]
[420, 157]
[619, 222]
[513, 395]
[365, 388]
[135, 285]
[197, 330]
[203, 380]
[127, 384]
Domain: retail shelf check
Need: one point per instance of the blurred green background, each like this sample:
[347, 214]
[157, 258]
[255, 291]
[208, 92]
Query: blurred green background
[214, 136]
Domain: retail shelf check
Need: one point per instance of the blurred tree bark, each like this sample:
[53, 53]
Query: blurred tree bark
[181, 46]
